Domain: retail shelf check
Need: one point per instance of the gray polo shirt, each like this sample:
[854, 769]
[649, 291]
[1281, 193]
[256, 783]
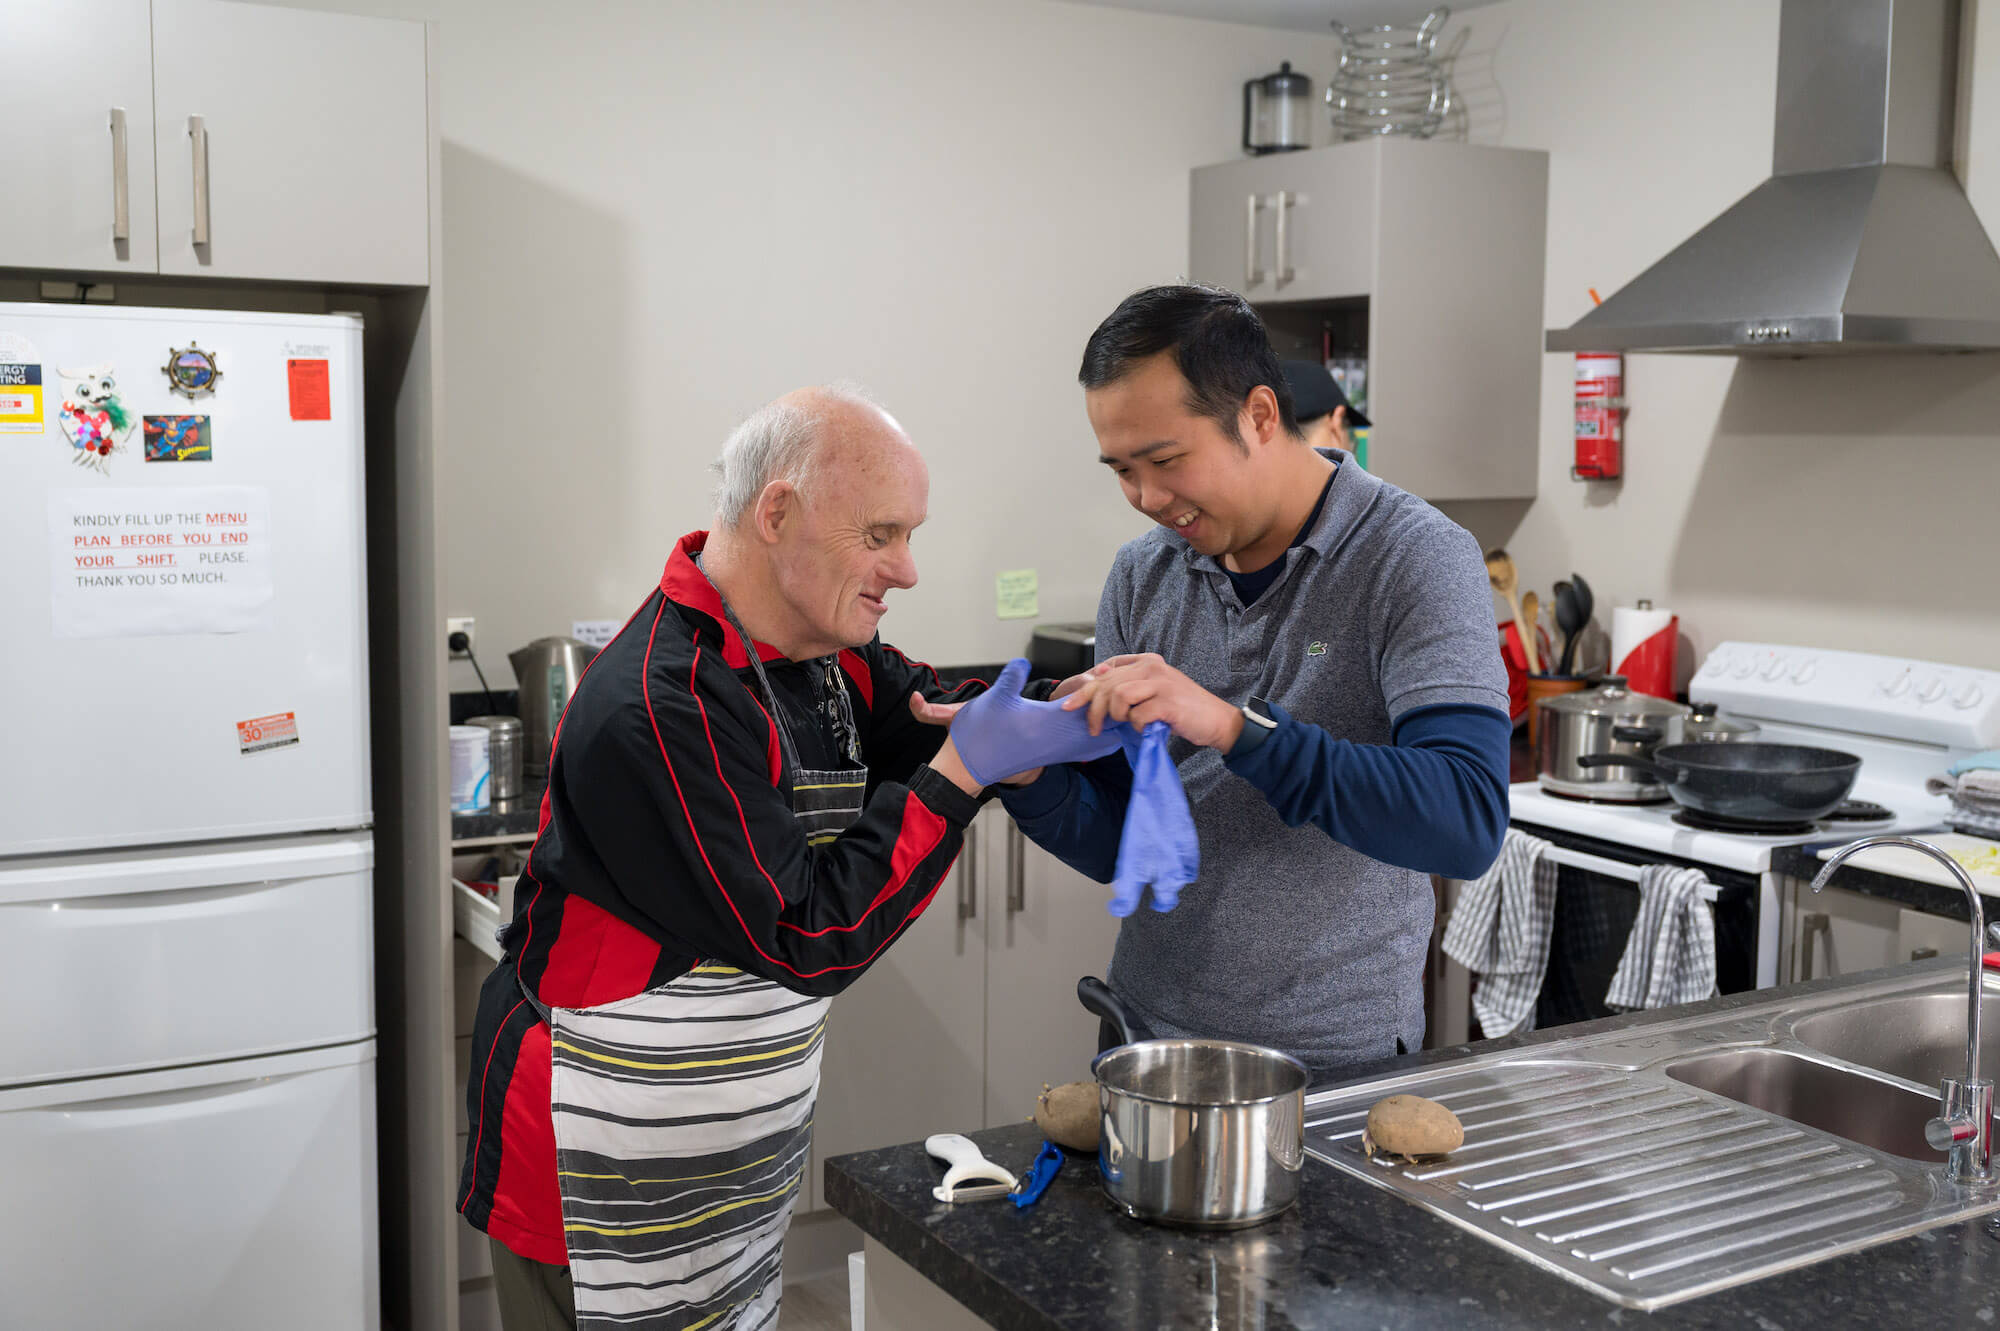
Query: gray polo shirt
[1289, 938]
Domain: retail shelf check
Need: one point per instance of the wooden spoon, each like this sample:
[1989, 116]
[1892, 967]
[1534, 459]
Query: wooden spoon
[1500, 573]
[1531, 609]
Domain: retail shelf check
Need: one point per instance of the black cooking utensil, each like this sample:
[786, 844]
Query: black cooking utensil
[1586, 606]
[1570, 619]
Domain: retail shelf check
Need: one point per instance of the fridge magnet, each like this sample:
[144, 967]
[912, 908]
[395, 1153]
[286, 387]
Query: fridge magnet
[178, 439]
[20, 386]
[93, 416]
[191, 372]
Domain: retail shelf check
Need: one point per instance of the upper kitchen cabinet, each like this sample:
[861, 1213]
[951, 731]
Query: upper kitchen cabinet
[1422, 258]
[291, 145]
[76, 165]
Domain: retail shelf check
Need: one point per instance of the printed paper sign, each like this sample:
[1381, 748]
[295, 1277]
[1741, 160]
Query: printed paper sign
[277, 731]
[594, 632]
[141, 562]
[311, 400]
[1016, 594]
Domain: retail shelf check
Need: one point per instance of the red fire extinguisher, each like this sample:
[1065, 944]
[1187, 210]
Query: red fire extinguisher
[1600, 416]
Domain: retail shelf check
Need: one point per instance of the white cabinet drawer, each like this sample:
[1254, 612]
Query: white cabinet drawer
[183, 955]
[222, 1198]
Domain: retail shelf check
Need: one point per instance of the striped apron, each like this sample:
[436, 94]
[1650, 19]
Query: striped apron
[683, 1115]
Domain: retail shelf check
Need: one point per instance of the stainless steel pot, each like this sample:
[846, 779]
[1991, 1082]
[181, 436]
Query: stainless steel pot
[1704, 725]
[1209, 1134]
[1607, 720]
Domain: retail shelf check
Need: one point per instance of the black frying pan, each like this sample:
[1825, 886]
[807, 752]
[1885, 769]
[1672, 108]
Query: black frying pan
[1746, 782]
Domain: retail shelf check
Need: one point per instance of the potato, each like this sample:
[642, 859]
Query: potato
[1067, 1115]
[1409, 1127]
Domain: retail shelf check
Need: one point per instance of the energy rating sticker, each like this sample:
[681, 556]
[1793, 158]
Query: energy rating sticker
[20, 387]
[276, 731]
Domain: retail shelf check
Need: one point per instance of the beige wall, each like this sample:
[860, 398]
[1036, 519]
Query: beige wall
[1838, 502]
[659, 215]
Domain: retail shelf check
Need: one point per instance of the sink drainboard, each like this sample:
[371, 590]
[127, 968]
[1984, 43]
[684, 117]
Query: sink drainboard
[1639, 1188]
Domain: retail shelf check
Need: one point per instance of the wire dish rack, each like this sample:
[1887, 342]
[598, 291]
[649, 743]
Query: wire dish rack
[1389, 80]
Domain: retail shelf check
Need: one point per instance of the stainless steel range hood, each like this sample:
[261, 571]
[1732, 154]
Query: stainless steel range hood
[1861, 240]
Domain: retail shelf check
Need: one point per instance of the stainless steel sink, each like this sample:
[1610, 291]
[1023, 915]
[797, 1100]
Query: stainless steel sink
[1657, 1163]
[1918, 1037]
[1819, 1095]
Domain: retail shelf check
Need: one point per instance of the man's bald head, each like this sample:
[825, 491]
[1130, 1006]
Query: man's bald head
[811, 438]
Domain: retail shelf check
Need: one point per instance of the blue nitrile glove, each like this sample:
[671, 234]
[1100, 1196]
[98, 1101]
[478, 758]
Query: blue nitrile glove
[1000, 733]
[1158, 846]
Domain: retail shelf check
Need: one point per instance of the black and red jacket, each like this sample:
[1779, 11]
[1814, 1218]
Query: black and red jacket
[667, 838]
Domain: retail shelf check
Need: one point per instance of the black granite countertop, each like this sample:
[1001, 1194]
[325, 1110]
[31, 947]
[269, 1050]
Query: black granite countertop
[1802, 862]
[519, 819]
[1350, 1254]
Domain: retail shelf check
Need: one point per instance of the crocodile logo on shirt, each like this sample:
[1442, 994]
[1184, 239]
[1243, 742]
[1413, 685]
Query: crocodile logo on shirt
[1315, 649]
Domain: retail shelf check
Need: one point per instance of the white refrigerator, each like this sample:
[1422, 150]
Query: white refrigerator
[187, 1088]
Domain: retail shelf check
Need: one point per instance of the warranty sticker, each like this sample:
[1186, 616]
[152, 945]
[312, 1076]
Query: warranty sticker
[277, 731]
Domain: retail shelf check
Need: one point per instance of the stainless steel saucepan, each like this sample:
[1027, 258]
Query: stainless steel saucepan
[1208, 1134]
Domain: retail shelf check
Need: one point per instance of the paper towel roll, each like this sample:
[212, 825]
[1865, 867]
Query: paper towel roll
[1644, 641]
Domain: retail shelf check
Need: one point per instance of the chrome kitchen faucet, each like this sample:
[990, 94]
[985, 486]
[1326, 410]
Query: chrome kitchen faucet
[1964, 1125]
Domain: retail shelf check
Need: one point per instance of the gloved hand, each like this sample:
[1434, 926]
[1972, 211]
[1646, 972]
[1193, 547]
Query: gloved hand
[1000, 733]
[1158, 846]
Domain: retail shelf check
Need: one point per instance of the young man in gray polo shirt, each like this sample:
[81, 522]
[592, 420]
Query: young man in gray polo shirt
[1322, 645]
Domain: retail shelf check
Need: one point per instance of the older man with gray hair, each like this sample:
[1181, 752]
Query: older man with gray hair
[743, 811]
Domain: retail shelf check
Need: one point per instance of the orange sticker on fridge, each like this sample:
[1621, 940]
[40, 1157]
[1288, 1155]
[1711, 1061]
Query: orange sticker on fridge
[311, 399]
[275, 731]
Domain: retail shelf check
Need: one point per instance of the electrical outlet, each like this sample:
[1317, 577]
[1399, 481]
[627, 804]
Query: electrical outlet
[461, 624]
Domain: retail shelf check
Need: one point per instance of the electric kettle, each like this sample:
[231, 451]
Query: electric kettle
[547, 670]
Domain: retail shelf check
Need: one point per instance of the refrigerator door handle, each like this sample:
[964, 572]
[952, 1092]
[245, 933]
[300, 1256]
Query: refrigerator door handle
[121, 181]
[155, 901]
[198, 135]
[143, 1105]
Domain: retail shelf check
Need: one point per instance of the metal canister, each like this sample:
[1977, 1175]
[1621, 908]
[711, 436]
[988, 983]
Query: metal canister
[503, 740]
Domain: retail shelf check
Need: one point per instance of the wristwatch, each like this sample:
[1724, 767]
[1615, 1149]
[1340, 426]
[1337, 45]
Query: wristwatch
[1258, 723]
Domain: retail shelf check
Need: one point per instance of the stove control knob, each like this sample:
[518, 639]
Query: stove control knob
[1968, 697]
[1774, 669]
[1744, 668]
[1805, 670]
[1712, 667]
[1930, 690]
[1895, 684]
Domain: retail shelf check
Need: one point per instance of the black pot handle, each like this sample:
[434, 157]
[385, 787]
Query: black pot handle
[1637, 734]
[1098, 1000]
[1666, 776]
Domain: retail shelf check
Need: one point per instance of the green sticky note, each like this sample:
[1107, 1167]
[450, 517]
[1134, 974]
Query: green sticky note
[1016, 594]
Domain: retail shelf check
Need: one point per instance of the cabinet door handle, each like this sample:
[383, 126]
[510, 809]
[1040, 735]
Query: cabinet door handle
[198, 134]
[121, 186]
[1922, 953]
[1284, 271]
[1812, 925]
[968, 874]
[1252, 274]
[1017, 878]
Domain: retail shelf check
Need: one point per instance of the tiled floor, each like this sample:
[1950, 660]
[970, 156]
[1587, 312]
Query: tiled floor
[819, 1304]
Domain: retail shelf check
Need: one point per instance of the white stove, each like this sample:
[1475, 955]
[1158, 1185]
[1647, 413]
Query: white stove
[1906, 720]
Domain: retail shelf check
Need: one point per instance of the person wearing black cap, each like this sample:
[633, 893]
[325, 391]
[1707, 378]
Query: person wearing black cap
[1323, 412]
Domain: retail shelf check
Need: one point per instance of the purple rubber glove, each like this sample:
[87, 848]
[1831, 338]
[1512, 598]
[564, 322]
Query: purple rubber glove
[1158, 846]
[1000, 733]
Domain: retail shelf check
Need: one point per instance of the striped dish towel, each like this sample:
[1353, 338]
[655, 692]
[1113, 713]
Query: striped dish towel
[1500, 932]
[1670, 957]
